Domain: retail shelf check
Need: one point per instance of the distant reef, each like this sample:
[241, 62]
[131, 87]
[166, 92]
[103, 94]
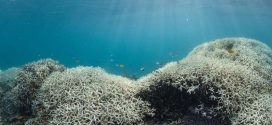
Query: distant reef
[222, 82]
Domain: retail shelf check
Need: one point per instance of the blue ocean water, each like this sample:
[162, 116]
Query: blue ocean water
[123, 36]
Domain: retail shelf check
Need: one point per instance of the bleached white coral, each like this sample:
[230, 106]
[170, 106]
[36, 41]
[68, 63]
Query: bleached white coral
[7, 78]
[9, 74]
[227, 83]
[225, 90]
[252, 53]
[257, 113]
[18, 101]
[87, 95]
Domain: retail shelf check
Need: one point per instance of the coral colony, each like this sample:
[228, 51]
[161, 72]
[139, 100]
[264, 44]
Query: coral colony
[222, 82]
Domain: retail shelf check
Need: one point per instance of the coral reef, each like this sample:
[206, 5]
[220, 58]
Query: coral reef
[204, 87]
[252, 53]
[87, 95]
[222, 82]
[16, 103]
[7, 78]
[7, 82]
[218, 81]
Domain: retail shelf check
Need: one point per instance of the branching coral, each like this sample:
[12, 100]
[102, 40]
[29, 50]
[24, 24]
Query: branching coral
[7, 78]
[213, 85]
[252, 53]
[18, 101]
[205, 87]
[226, 81]
[86, 95]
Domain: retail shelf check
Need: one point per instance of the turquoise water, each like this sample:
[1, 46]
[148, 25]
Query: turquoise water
[131, 33]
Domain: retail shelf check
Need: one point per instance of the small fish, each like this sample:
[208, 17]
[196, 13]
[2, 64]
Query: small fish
[157, 63]
[171, 53]
[77, 61]
[111, 60]
[187, 19]
[121, 65]
[142, 69]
